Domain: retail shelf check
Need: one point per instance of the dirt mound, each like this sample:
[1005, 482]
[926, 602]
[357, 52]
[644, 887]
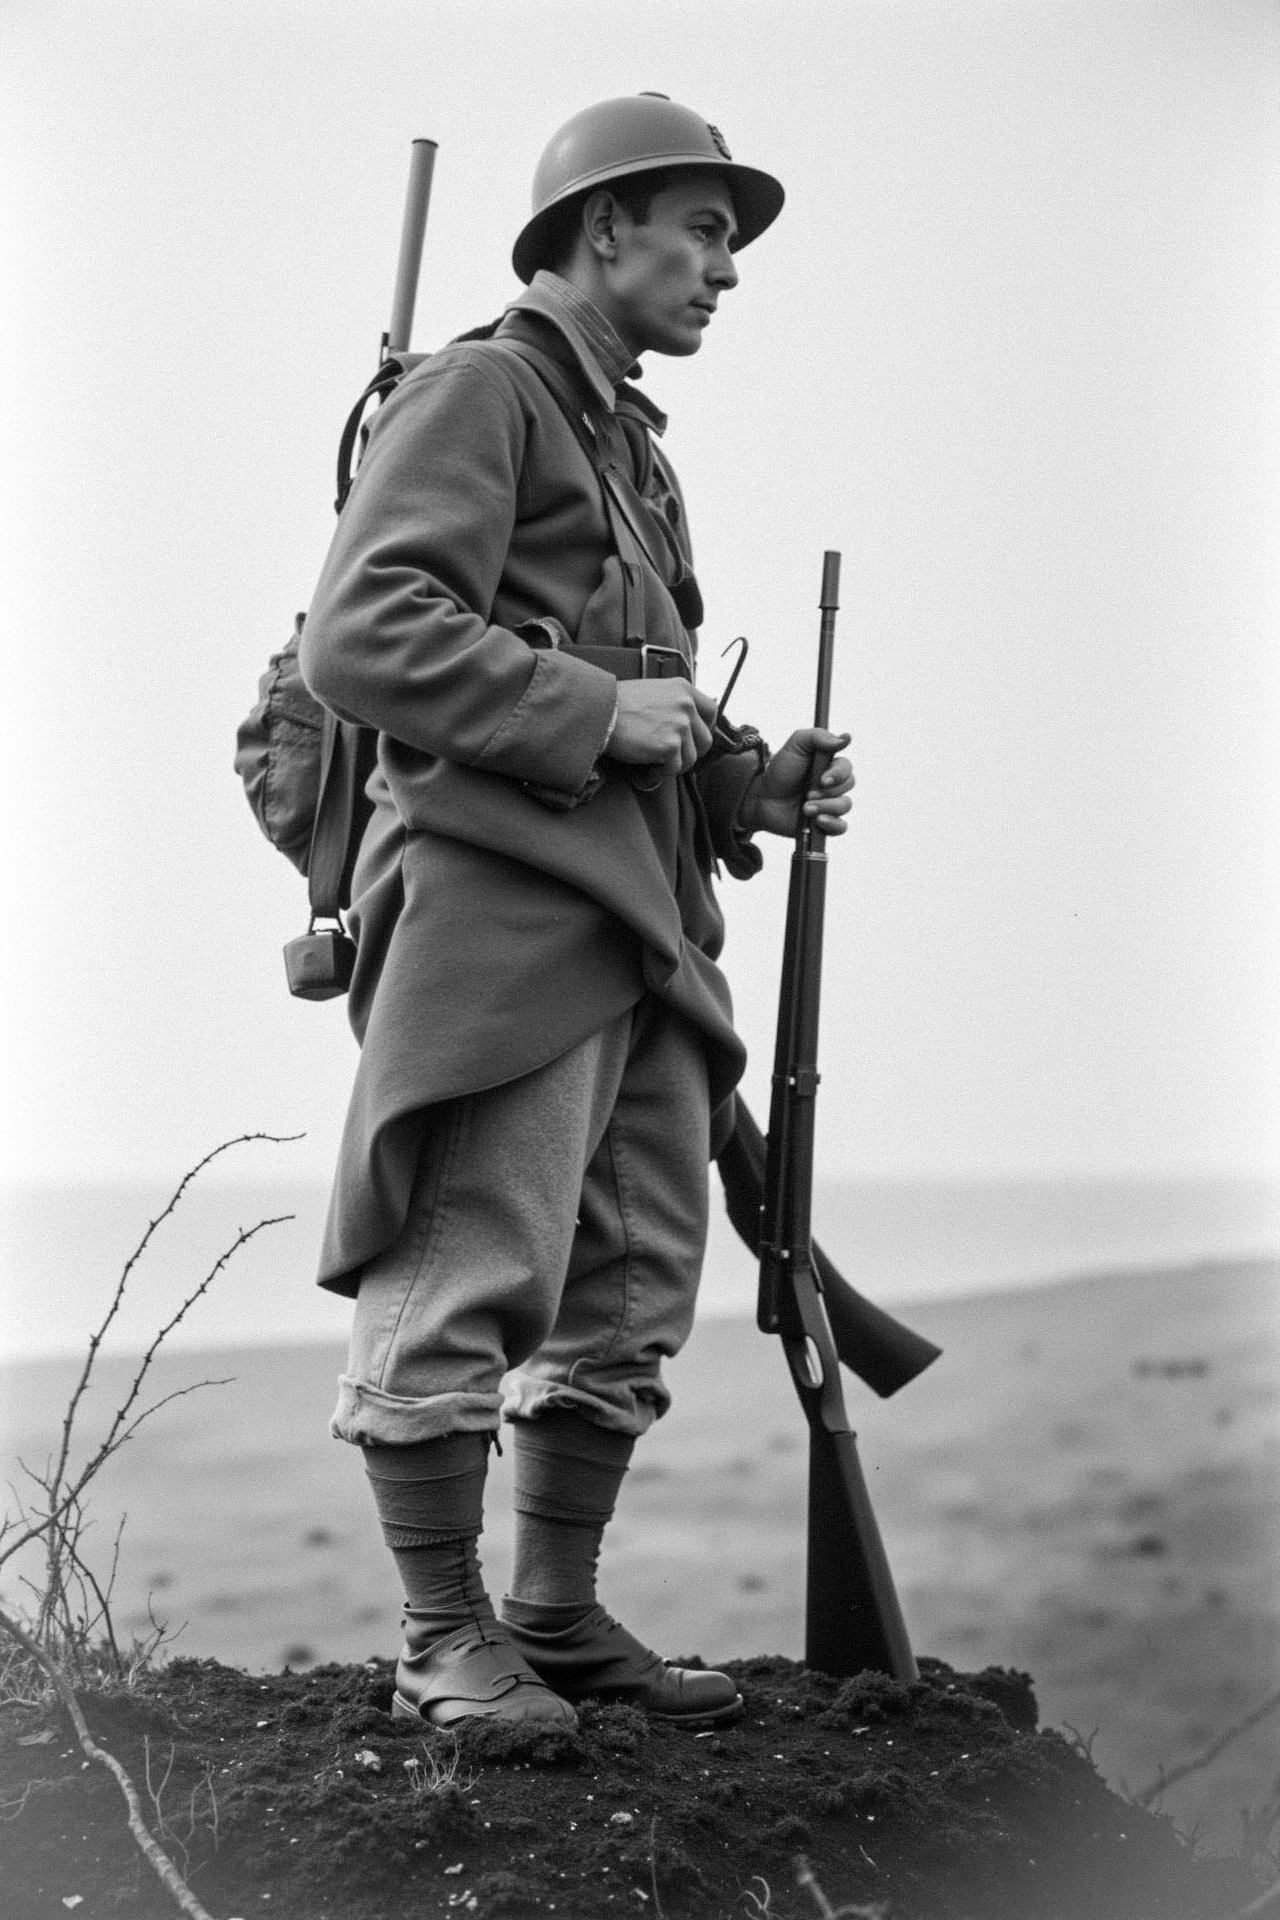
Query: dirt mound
[297, 1795]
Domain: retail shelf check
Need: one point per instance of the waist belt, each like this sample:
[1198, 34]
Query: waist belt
[647, 661]
[634, 663]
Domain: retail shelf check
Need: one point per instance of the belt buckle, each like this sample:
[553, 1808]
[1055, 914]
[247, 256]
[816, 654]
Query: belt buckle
[649, 654]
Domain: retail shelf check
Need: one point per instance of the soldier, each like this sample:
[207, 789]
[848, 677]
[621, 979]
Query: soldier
[547, 1050]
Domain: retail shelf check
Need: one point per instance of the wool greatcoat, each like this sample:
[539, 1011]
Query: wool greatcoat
[514, 892]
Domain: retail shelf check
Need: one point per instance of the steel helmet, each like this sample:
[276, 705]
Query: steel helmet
[637, 134]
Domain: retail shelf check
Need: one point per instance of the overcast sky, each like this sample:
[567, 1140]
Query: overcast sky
[1012, 347]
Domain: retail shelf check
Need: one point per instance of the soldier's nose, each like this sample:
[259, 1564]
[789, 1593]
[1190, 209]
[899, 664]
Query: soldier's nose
[725, 274]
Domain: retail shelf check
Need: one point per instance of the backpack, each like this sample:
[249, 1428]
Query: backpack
[305, 771]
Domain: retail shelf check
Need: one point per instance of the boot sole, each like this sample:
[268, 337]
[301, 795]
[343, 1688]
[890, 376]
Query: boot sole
[714, 1717]
[708, 1717]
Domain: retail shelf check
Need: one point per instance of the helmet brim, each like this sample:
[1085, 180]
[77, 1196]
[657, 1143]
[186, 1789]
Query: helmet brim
[757, 202]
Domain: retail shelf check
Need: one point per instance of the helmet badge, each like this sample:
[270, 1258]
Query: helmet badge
[722, 145]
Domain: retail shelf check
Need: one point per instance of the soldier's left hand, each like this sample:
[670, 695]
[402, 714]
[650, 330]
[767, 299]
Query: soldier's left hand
[774, 804]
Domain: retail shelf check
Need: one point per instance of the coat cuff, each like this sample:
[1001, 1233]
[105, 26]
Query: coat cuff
[555, 733]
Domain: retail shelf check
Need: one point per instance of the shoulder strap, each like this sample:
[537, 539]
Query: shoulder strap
[590, 434]
[570, 403]
[623, 506]
[388, 376]
[347, 756]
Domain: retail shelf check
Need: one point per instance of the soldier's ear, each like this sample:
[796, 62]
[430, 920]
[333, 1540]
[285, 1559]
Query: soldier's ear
[599, 218]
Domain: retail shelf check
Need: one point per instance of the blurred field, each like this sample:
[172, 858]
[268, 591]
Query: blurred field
[1085, 1485]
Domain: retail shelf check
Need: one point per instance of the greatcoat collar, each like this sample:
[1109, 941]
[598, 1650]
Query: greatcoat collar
[606, 362]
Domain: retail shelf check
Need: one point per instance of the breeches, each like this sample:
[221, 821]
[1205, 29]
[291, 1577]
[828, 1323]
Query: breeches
[554, 1236]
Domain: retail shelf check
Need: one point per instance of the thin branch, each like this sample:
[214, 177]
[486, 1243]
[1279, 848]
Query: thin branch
[166, 1832]
[53, 1518]
[65, 1549]
[116, 1439]
[157, 1793]
[213, 1801]
[35, 1530]
[1161, 1785]
[121, 1414]
[243, 1139]
[103, 1598]
[179, 1393]
[155, 1855]
[805, 1878]
[19, 1806]
[13, 1679]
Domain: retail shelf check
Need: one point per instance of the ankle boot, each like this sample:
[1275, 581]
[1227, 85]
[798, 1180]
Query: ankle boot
[596, 1655]
[474, 1672]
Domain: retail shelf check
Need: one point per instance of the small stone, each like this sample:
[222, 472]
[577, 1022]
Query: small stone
[457, 1869]
[622, 1820]
[369, 1760]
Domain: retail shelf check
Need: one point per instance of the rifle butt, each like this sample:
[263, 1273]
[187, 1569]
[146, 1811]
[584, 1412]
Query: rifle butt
[884, 1353]
[852, 1617]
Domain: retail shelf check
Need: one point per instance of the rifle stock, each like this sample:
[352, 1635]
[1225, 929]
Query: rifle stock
[885, 1354]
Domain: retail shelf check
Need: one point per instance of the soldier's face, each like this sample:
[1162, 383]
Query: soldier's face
[669, 273]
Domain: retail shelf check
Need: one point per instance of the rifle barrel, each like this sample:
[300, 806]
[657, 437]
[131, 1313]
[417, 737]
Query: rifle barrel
[417, 195]
[785, 1231]
[829, 601]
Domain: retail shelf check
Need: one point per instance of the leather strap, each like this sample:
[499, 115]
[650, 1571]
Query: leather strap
[625, 515]
[635, 663]
[347, 756]
[390, 373]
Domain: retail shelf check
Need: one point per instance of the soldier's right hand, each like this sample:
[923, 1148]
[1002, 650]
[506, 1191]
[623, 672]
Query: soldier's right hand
[661, 723]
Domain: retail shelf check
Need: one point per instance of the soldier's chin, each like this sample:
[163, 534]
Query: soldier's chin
[680, 342]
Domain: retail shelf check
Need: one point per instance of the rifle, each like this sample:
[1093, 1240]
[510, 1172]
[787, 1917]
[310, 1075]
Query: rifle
[852, 1616]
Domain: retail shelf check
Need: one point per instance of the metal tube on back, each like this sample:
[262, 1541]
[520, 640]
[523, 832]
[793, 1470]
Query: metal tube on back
[416, 198]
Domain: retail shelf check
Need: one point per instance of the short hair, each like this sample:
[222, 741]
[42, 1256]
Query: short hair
[635, 191]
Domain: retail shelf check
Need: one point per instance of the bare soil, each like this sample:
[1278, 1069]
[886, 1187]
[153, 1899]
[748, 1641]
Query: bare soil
[297, 1795]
